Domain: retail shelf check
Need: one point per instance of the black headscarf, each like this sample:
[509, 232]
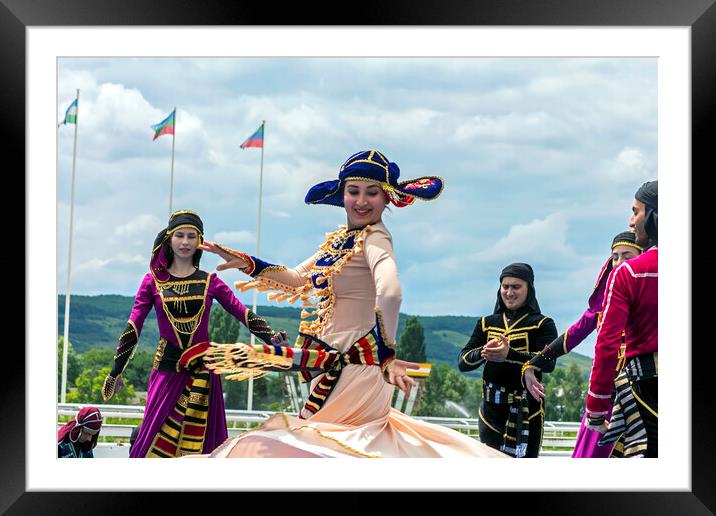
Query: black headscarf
[627, 238]
[162, 253]
[524, 272]
[648, 193]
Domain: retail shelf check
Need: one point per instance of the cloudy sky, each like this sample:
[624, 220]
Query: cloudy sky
[540, 156]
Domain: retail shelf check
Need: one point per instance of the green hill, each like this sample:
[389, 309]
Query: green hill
[97, 321]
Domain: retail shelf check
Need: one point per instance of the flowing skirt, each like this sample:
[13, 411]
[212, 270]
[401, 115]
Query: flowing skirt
[164, 390]
[587, 446]
[356, 421]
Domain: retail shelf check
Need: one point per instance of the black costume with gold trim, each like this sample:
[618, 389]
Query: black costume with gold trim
[527, 334]
[510, 419]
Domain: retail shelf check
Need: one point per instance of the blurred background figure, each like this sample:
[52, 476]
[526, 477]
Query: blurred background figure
[77, 438]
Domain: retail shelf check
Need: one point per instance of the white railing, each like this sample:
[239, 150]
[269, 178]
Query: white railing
[239, 421]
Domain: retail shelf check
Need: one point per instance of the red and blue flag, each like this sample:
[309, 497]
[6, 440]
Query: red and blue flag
[255, 140]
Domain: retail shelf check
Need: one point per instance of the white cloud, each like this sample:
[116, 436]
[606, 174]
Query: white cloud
[514, 139]
[366, 121]
[94, 264]
[142, 225]
[630, 166]
[218, 158]
[97, 264]
[234, 237]
[535, 126]
[538, 240]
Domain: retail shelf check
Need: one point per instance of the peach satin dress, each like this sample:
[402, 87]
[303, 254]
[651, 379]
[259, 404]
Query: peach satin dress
[357, 419]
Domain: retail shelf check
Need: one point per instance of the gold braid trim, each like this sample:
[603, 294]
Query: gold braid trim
[321, 300]
[184, 325]
[333, 439]
[629, 244]
[326, 297]
[242, 361]
[381, 328]
[525, 367]
[277, 268]
[388, 361]
[132, 348]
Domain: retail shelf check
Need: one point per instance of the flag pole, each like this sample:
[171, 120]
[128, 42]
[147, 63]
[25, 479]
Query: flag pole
[65, 342]
[171, 180]
[249, 403]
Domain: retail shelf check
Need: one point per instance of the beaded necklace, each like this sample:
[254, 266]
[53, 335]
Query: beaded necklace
[317, 293]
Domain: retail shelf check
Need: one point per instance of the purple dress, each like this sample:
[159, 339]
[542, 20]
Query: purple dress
[183, 307]
[587, 440]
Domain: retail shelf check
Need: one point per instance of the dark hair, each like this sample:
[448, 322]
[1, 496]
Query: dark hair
[196, 258]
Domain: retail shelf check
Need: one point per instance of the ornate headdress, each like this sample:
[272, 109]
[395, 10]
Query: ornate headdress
[374, 166]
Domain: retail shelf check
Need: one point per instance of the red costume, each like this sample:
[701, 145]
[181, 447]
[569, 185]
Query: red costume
[630, 305]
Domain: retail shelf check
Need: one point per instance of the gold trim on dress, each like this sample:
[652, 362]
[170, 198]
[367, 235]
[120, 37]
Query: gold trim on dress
[320, 301]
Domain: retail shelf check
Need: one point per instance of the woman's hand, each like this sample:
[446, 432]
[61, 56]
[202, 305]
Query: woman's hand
[535, 388]
[496, 349]
[280, 338]
[397, 374]
[232, 262]
[111, 386]
[598, 424]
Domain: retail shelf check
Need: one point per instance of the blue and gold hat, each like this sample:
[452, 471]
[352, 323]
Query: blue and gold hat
[373, 166]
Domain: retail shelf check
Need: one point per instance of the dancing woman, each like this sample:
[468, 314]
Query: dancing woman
[184, 413]
[346, 345]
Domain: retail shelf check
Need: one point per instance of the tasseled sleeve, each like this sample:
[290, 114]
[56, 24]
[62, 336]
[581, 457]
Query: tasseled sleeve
[226, 298]
[290, 284]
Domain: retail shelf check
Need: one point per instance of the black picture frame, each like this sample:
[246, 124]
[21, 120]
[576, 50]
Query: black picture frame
[699, 15]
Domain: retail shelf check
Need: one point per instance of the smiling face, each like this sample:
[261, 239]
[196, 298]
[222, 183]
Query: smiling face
[513, 292]
[184, 243]
[364, 202]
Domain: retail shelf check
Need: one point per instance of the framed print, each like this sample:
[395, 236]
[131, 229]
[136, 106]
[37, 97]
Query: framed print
[42, 37]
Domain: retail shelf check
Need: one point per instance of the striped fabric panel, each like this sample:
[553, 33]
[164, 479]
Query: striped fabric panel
[368, 350]
[517, 429]
[496, 394]
[185, 427]
[643, 366]
[626, 422]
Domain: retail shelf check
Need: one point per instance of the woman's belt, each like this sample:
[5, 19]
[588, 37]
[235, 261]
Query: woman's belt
[170, 358]
[310, 357]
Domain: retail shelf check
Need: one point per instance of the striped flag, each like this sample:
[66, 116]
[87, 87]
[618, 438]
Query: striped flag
[255, 140]
[166, 126]
[70, 114]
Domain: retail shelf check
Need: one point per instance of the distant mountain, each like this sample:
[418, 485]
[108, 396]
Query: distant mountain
[97, 321]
